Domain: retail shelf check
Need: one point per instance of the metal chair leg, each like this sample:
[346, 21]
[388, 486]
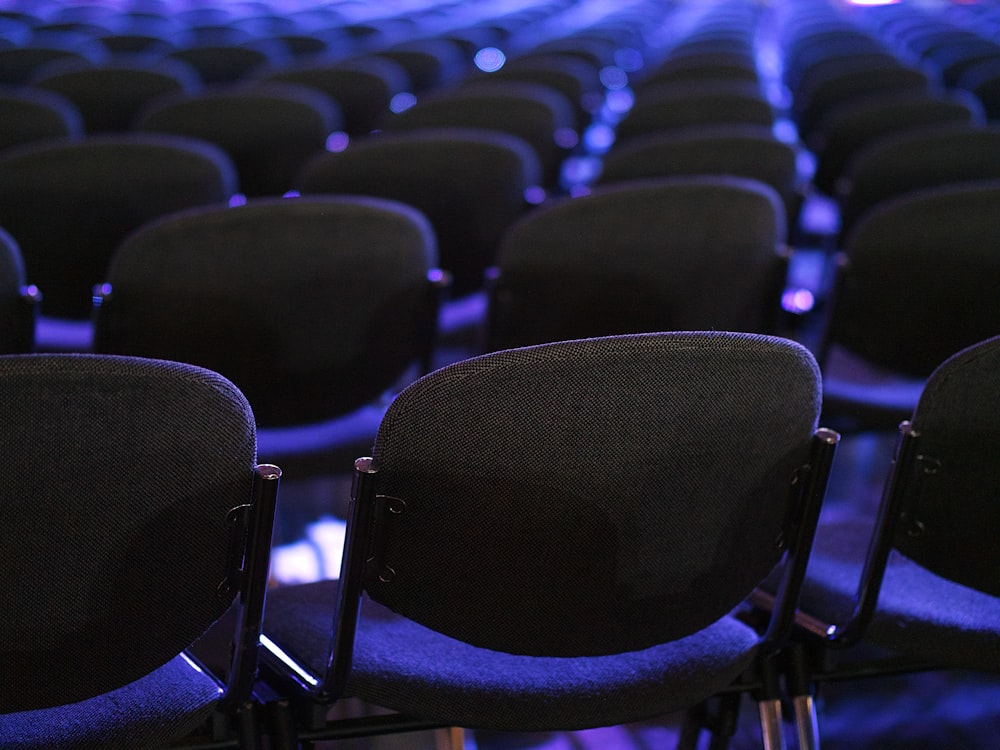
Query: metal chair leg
[803, 703]
[769, 706]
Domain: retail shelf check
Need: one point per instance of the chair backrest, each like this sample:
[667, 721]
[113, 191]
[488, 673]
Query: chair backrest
[685, 253]
[687, 105]
[109, 96]
[268, 129]
[121, 477]
[742, 150]
[363, 87]
[921, 277]
[539, 115]
[68, 204]
[227, 62]
[912, 160]
[313, 307]
[622, 491]
[470, 184]
[28, 114]
[849, 128]
[18, 302]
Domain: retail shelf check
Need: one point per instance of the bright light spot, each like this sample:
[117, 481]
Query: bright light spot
[237, 199]
[798, 301]
[614, 78]
[566, 138]
[337, 142]
[490, 59]
[292, 194]
[620, 101]
[628, 59]
[534, 195]
[598, 138]
[402, 102]
[100, 293]
[785, 131]
[287, 660]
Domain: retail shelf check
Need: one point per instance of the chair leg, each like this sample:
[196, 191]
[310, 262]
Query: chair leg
[449, 738]
[719, 715]
[769, 706]
[803, 703]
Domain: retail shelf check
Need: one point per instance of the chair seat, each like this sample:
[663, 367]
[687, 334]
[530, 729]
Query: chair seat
[406, 667]
[167, 704]
[918, 613]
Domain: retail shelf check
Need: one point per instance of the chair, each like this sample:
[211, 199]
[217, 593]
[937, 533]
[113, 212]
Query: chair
[912, 160]
[110, 96]
[135, 517]
[68, 204]
[18, 300]
[338, 287]
[741, 150]
[983, 81]
[222, 62]
[537, 114]
[28, 114]
[696, 105]
[848, 128]
[917, 282]
[18, 64]
[471, 184]
[683, 253]
[363, 87]
[268, 129]
[429, 63]
[913, 584]
[526, 542]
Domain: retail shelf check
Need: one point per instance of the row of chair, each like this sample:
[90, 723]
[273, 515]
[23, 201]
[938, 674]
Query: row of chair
[521, 615]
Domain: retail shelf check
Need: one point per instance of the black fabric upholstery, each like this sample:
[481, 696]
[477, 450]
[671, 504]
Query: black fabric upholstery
[683, 253]
[27, 114]
[469, 183]
[564, 530]
[938, 601]
[269, 129]
[529, 111]
[913, 160]
[119, 476]
[922, 278]
[68, 204]
[400, 664]
[312, 306]
[17, 320]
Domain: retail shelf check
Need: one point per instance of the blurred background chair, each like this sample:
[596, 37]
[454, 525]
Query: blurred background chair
[18, 300]
[143, 476]
[669, 254]
[337, 287]
[917, 283]
[470, 183]
[69, 203]
[509, 617]
[28, 114]
[110, 96]
[269, 130]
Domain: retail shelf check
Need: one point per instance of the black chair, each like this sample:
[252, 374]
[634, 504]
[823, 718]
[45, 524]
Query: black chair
[750, 151]
[28, 114]
[917, 282]
[684, 253]
[219, 61]
[471, 185]
[913, 584]
[135, 517]
[110, 96]
[555, 537]
[69, 203]
[363, 87]
[695, 105]
[912, 160]
[18, 300]
[848, 128]
[535, 113]
[338, 287]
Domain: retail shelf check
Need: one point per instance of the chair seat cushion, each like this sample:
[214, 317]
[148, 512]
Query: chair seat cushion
[165, 705]
[406, 667]
[919, 613]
